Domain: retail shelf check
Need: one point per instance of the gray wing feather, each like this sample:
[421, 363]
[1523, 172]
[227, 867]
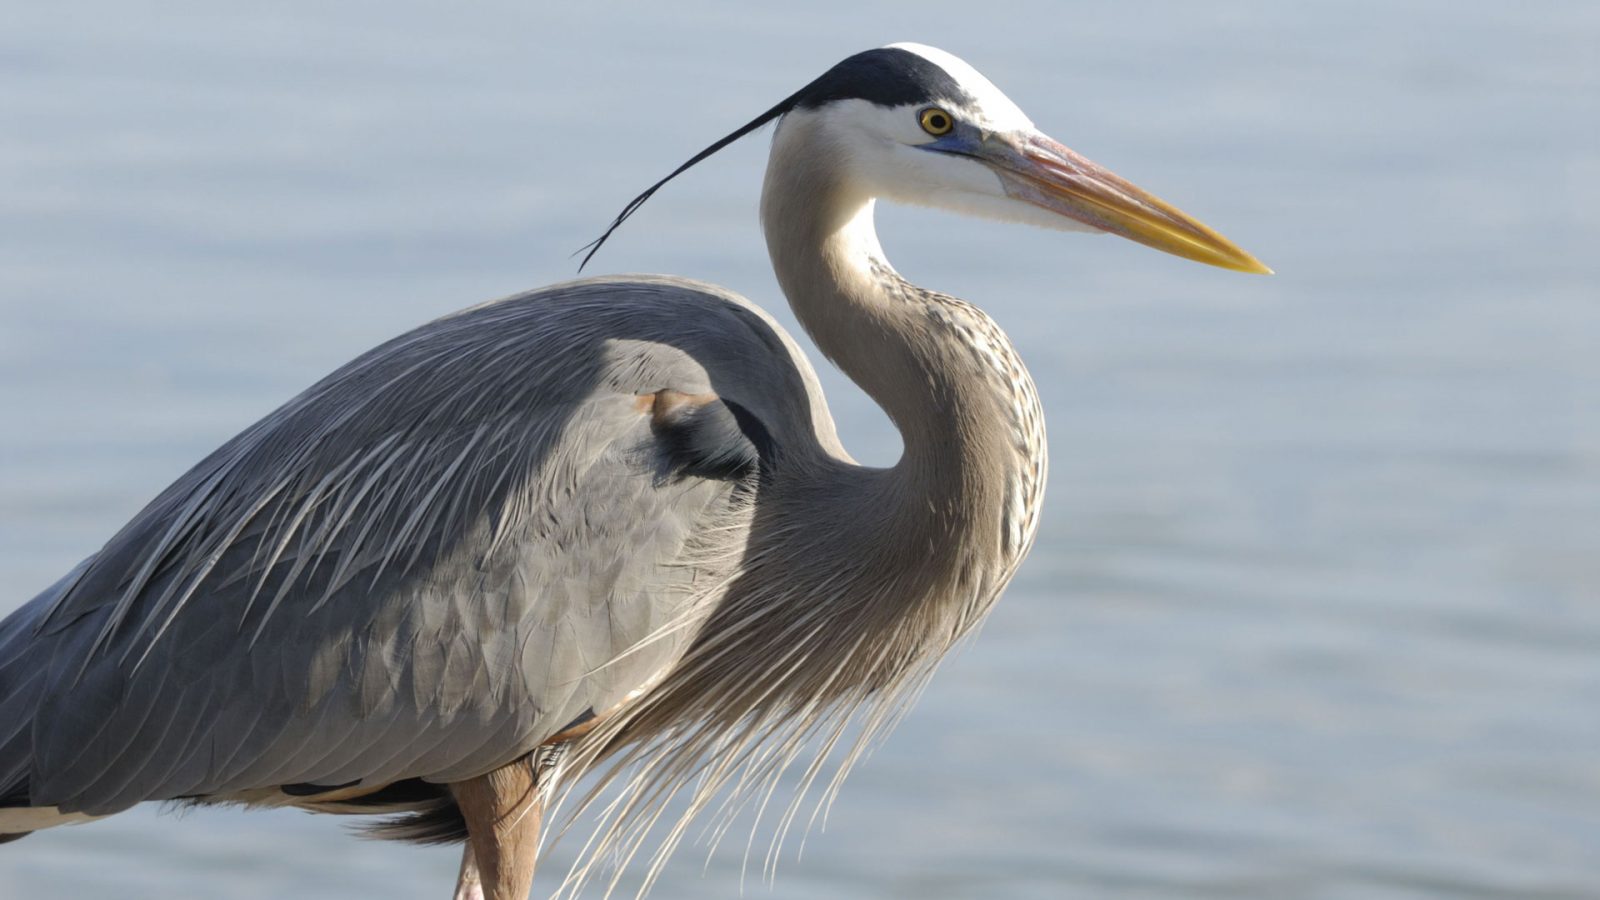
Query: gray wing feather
[422, 566]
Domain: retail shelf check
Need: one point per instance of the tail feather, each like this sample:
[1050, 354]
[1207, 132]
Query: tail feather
[438, 822]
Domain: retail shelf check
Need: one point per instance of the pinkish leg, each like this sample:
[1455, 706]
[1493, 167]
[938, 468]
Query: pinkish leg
[502, 812]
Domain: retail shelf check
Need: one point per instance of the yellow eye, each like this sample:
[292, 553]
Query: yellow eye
[936, 121]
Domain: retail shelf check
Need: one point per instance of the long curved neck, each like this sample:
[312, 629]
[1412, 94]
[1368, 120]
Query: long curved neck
[964, 495]
[863, 316]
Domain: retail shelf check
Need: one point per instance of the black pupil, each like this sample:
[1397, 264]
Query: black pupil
[938, 122]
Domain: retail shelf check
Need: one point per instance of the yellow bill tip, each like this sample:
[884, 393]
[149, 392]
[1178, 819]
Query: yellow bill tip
[1247, 264]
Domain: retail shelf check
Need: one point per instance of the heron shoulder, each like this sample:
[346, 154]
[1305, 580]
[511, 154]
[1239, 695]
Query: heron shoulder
[747, 356]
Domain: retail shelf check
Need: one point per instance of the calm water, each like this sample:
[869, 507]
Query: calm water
[1315, 608]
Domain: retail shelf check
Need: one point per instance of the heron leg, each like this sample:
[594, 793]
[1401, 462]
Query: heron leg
[468, 886]
[502, 813]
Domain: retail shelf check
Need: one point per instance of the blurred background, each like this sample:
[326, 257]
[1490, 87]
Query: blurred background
[1315, 606]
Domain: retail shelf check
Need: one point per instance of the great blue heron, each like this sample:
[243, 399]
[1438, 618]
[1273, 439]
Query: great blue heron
[609, 520]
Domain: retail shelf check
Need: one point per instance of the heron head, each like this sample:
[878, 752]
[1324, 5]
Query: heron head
[914, 124]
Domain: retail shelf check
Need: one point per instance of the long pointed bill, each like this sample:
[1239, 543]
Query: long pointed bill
[1046, 174]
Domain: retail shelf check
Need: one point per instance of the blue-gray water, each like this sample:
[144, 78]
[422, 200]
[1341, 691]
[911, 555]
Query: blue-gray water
[1315, 607]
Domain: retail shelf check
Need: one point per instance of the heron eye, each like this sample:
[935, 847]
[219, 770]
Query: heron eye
[936, 121]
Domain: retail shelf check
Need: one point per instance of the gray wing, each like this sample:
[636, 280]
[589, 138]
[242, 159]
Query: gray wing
[423, 566]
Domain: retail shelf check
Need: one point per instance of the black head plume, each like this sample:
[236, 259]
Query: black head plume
[633, 205]
[887, 76]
